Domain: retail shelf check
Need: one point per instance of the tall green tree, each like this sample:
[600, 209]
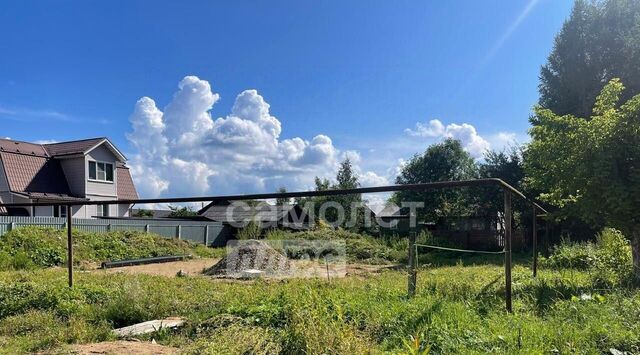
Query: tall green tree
[506, 165]
[590, 167]
[346, 178]
[446, 161]
[600, 41]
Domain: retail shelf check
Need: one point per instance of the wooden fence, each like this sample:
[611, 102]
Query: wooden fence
[201, 232]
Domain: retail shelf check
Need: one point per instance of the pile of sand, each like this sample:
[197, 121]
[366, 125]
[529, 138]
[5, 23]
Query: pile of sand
[251, 255]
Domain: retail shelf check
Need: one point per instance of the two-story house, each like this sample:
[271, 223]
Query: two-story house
[91, 169]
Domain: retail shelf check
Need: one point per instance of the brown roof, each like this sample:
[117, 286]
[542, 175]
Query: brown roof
[126, 188]
[73, 147]
[27, 173]
[263, 212]
[7, 145]
[50, 196]
[31, 170]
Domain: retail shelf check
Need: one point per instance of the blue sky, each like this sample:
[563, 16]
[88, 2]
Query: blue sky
[363, 73]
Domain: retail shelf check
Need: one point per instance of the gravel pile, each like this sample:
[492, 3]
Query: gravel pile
[251, 255]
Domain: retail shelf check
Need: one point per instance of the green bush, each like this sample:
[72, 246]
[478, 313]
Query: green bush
[359, 247]
[608, 259]
[27, 247]
[251, 231]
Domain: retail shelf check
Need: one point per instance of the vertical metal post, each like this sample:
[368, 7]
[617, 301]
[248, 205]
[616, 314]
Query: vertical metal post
[179, 231]
[146, 228]
[546, 238]
[206, 235]
[535, 242]
[411, 288]
[70, 246]
[507, 249]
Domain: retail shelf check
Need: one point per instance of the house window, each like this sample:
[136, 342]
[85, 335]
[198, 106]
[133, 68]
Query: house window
[102, 211]
[99, 171]
[60, 211]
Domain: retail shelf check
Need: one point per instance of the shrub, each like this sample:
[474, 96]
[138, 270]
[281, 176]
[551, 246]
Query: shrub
[360, 247]
[580, 256]
[608, 259]
[250, 231]
[26, 247]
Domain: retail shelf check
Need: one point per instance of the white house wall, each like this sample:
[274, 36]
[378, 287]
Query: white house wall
[105, 189]
[123, 211]
[43, 211]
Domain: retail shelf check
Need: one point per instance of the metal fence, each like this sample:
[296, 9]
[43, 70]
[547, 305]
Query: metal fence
[200, 232]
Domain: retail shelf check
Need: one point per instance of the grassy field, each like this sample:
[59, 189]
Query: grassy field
[459, 308]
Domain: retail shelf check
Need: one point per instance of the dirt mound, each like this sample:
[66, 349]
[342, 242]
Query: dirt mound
[251, 255]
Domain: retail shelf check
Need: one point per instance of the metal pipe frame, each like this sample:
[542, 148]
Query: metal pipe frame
[508, 191]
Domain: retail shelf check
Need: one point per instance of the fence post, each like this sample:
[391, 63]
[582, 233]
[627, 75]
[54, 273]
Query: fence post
[70, 246]
[546, 238]
[535, 243]
[206, 235]
[12, 226]
[179, 231]
[146, 228]
[411, 287]
[507, 249]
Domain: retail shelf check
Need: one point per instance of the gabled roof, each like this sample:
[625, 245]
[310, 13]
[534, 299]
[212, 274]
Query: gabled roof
[27, 173]
[263, 212]
[81, 147]
[60, 149]
[126, 187]
[11, 146]
[33, 172]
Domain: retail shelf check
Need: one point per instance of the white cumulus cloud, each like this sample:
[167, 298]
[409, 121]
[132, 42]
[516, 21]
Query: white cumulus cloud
[182, 150]
[467, 134]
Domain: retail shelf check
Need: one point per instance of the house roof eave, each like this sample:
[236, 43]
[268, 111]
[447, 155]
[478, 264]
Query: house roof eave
[111, 147]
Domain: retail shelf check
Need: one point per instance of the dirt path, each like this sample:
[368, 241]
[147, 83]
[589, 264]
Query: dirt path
[189, 267]
[195, 267]
[122, 347]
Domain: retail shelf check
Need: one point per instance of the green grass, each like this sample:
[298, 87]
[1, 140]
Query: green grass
[31, 247]
[459, 306]
[457, 309]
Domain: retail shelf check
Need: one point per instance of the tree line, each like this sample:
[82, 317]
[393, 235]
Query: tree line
[583, 161]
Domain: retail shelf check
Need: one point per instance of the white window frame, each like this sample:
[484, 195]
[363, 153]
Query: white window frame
[104, 171]
[102, 210]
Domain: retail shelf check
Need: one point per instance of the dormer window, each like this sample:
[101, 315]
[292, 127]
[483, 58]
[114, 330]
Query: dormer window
[99, 171]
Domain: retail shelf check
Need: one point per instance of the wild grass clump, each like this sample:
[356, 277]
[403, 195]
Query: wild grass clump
[457, 309]
[30, 247]
[608, 259]
[361, 248]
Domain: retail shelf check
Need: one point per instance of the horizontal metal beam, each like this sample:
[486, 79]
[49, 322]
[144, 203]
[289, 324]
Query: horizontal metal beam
[361, 190]
[144, 261]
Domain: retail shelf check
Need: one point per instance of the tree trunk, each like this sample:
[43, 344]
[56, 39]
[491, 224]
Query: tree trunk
[635, 253]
